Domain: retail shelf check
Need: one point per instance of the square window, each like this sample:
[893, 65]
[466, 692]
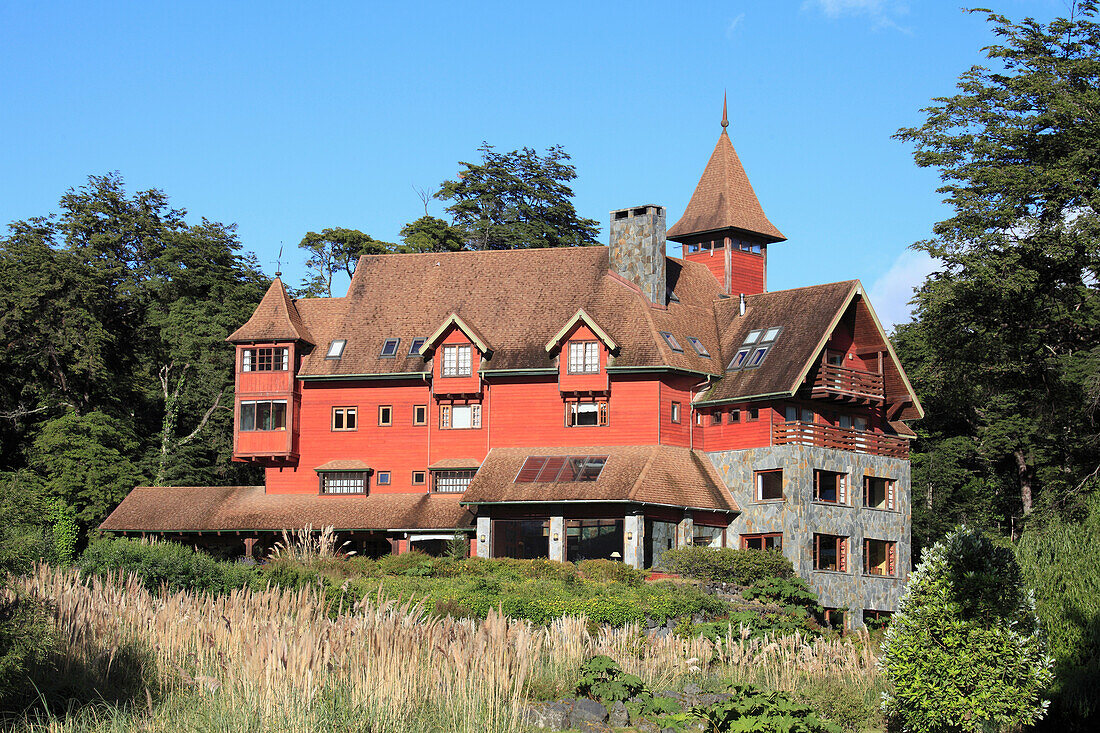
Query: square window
[672, 342]
[675, 413]
[831, 487]
[457, 360]
[753, 337]
[770, 335]
[385, 415]
[420, 414]
[383, 478]
[414, 347]
[419, 478]
[344, 418]
[734, 417]
[584, 357]
[753, 414]
[769, 485]
[336, 349]
[879, 493]
[389, 348]
[830, 553]
[716, 417]
[880, 557]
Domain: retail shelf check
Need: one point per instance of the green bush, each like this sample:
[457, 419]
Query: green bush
[610, 571]
[843, 704]
[602, 679]
[164, 563]
[726, 565]
[752, 709]
[792, 593]
[963, 652]
[1060, 561]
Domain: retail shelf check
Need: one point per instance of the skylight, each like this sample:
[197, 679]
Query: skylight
[698, 346]
[414, 347]
[754, 348]
[672, 342]
[389, 348]
[336, 349]
[560, 468]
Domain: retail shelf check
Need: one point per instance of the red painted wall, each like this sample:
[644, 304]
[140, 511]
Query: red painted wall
[746, 273]
[581, 382]
[455, 385]
[735, 436]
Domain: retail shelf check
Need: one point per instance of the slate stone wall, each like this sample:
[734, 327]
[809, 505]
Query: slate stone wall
[799, 517]
[637, 249]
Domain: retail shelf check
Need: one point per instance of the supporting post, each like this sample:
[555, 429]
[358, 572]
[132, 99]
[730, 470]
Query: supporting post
[634, 540]
[484, 537]
[733, 537]
[557, 539]
[685, 531]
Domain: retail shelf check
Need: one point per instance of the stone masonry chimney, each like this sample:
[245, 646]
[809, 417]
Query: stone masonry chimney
[637, 248]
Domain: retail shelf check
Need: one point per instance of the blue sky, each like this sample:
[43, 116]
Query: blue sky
[291, 117]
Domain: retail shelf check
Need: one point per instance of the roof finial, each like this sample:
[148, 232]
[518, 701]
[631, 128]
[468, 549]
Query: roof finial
[279, 262]
[725, 119]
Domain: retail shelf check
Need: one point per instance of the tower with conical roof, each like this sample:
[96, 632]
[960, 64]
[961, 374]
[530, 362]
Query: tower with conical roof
[724, 226]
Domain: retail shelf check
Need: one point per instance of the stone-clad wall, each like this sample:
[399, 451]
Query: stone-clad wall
[798, 517]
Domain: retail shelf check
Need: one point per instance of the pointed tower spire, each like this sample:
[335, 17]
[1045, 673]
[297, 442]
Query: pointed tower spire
[725, 118]
[276, 318]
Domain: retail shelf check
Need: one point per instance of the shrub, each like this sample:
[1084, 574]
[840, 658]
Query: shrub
[752, 709]
[413, 562]
[1060, 561]
[610, 571]
[793, 593]
[163, 563]
[602, 679]
[726, 565]
[963, 652]
[843, 704]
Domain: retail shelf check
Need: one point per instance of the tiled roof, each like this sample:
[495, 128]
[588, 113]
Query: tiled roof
[454, 463]
[517, 299]
[276, 319]
[648, 474]
[228, 508]
[724, 199]
[352, 464]
[806, 316]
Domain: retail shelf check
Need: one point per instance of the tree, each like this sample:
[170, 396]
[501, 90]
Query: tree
[1006, 333]
[333, 251]
[517, 200]
[431, 234]
[963, 652]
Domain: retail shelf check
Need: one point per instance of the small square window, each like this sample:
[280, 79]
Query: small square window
[769, 485]
[734, 417]
[420, 414]
[383, 478]
[675, 412]
[389, 348]
[698, 346]
[672, 342]
[385, 416]
[415, 346]
[830, 552]
[419, 478]
[879, 493]
[336, 349]
[753, 414]
[830, 487]
[716, 417]
[879, 557]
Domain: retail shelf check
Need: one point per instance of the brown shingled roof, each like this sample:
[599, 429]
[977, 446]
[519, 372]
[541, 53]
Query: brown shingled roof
[228, 508]
[275, 319]
[351, 464]
[454, 463]
[645, 474]
[724, 199]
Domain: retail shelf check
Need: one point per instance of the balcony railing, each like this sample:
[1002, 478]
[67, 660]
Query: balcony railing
[828, 436]
[854, 385]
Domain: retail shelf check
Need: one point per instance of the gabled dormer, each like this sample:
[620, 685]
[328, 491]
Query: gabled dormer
[268, 349]
[456, 350]
[582, 348]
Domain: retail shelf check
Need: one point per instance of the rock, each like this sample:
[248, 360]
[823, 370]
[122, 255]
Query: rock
[662, 632]
[547, 715]
[692, 689]
[617, 715]
[587, 711]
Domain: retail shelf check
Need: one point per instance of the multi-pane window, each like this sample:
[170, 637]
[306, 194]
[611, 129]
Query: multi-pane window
[830, 552]
[385, 415]
[579, 414]
[831, 487]
[268, 359]
[539, 469]
[754, 348]
[420, 414]
[879, 493]
[769, 485]
[459, 417]
[765, 541]
[584, 357]
[880, 557]
[452, 482]
[343, 482]
[263, 415]
[458, 360]
[344, 418]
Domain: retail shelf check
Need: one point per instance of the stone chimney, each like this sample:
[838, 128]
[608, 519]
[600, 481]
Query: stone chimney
[637, 248]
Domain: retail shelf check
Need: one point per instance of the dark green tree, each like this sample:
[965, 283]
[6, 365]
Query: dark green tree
[333, 251]
[431, 234]
[1004, 347]
[517, 200]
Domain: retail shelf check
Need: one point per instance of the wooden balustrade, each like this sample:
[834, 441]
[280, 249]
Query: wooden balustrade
[828, 436]
[856, 385]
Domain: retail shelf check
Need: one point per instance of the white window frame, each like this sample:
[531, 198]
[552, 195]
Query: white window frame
[583, 357]
[458, 360]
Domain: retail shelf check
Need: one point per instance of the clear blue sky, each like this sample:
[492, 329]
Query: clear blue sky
[291, 117]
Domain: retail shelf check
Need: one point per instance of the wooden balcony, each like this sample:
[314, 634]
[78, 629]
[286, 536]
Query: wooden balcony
[848, 385]
[828, 436]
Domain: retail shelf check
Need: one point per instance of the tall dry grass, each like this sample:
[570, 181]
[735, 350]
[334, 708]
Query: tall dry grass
[277, 655]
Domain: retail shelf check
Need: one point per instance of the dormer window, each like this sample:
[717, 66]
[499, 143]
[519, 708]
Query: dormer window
[458, 360]
[389, 348]
[414, 347]
[698, 346]
[336, 349]
[584, 357]
[672, 342]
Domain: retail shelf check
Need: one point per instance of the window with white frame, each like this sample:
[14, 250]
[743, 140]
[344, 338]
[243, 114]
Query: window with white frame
[458, 360]
[343, 482]
[580, 414]
[451, 482]
[584, 357]
[459, 417]
[267, 359]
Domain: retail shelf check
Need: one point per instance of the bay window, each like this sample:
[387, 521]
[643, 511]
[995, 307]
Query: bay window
[263, 415]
